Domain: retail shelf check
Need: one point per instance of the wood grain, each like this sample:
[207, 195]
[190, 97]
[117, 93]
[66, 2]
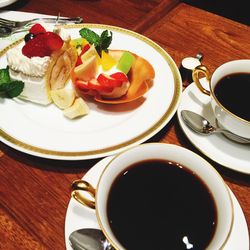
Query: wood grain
[34, 192]
[187, 30]
[125, 13]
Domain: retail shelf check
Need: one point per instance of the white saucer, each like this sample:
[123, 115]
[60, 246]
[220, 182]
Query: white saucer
[4, 3]
[78, 216]
[217, 147]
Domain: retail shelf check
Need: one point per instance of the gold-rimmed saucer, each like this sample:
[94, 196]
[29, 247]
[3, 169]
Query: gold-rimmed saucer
[79, 216]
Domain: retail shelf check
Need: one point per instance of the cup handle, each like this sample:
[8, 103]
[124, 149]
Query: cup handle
[81, 185]
[204, 70]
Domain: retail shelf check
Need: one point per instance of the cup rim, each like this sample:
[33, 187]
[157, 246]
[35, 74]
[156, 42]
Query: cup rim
[182, 148]
[212, 89]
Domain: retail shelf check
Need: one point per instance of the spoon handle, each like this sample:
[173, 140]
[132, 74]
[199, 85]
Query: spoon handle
[232, 136]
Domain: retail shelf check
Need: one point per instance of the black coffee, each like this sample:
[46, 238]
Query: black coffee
[233, 92]
[158, 205]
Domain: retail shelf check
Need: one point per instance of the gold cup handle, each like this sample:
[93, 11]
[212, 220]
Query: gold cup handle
[204, 70]
[81, 185]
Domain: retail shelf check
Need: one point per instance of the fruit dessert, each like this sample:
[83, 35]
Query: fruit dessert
[44, 63]
[39, 71]
[111, 76]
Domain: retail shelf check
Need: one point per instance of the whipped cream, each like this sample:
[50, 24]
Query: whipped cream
[35, 66]
[32, 71]
[107, 72]
[35, 88]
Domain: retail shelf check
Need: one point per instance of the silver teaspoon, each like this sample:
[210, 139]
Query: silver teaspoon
[89, 239]
[202, 126]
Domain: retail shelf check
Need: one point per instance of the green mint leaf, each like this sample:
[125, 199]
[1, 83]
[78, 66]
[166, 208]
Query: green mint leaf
[4, 75]
[90, 36]
[4, 86]
[99, 49]
[12, 89]
[16, 89]
[106, 39]
[9, 87]
[104, 34]
[100, 42]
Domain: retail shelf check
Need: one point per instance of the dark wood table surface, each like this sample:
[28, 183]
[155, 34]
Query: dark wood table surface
[34, 192]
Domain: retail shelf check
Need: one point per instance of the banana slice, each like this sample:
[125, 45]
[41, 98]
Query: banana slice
[61, 65]
[87, 70]
[90, 53]
[63, 98]
[79, 108]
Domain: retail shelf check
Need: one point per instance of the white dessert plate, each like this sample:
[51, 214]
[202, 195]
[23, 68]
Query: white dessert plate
[78, 216]
[4, 3]
[108, 129]
[217, 147]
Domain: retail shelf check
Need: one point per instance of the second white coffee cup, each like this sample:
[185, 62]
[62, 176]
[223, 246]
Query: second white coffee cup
[158, 152]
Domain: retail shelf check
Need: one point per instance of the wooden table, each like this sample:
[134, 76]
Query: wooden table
[34, 192]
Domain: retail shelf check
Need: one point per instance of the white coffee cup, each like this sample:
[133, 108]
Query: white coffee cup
[168, 152]
[225, 118]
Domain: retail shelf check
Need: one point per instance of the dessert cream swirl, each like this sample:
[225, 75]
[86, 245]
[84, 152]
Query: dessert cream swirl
[35, 66]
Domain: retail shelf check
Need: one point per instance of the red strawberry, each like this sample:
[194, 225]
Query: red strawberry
[107, 81]
[96, 85]
[120, 76]
[78, 61]
[82, 85]
[83, 88]
[84, 49]
[53, 41]
[36, 47]
[42, 44]
[92, 86]
[113, 80]
[36, 29]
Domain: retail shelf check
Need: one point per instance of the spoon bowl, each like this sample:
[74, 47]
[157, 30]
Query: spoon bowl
[202, 126]
[89, 239]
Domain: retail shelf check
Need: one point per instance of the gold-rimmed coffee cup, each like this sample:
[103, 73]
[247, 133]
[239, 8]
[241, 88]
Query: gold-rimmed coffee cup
[229, 115]
[98, 198]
